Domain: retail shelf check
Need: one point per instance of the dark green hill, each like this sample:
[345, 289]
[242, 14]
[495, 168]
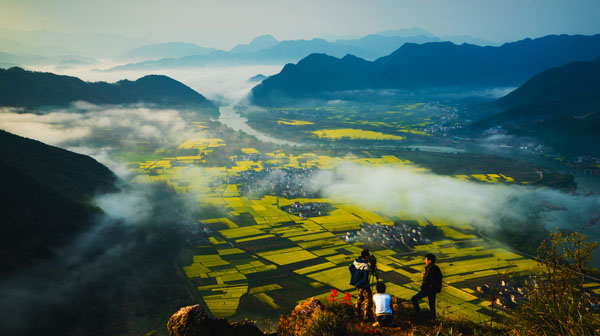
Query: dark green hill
[45, 198]
[560, 106]
[435, 65]
[21, 88]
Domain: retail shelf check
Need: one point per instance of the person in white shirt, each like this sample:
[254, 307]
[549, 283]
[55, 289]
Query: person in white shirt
[383, 306]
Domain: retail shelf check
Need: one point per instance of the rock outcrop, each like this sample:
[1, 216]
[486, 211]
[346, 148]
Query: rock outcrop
[301, 318]
[193, 321]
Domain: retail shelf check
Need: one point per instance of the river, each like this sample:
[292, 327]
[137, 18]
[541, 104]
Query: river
[228, 116]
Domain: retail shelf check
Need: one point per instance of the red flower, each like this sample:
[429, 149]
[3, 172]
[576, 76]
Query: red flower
[347, 298]
[333, 295]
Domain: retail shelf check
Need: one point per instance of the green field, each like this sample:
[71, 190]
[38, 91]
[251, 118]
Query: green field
[262, 256]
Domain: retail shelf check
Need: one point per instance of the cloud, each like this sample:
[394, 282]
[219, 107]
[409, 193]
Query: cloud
[225, 84]
[85, 123]
[130, 205]
[395, 191]
[105, 274]
[102, 131]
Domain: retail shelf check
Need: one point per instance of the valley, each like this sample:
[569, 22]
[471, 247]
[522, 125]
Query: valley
[214, 168]
[257, 254]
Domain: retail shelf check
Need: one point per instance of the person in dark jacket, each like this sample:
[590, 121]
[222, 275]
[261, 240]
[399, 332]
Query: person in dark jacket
[432, 284]
[359, 277]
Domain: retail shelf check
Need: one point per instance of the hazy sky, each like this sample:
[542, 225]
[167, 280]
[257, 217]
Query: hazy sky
[224, 23]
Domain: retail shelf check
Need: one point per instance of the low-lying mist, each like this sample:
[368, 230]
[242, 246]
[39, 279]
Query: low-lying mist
[83, 123]
[99, 131]
[225, 85]
[403, 191]
[123, 268]
[119, 272]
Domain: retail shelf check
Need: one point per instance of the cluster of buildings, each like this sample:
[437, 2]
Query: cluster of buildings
[585, 165]
[513, 294]
[388, 236]
[532, 148]
[287, 182]
[445, 125]
[507, 294]
[309, 209]
[197, 235]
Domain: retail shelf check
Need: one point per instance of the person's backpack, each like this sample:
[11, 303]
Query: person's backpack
[353, 275]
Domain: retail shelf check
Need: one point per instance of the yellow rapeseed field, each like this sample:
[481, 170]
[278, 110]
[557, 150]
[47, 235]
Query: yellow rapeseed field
[355, 134]
[294, 122]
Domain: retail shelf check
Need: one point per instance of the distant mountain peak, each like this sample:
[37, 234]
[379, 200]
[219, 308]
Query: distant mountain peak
[406, 32]
[267, 38]
[167, 49]
[258, 43]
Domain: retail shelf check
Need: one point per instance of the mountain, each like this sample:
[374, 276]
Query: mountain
[560, 107]
[460, 39]
[45, 198]
[414, 31]
[257, 78]
[258, 43]
[21, 88]
[436, 65]
[166, 50]
[282, 52]
[381, 45]
[297, 49]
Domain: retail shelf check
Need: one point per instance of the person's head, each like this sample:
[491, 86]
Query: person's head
[380, 288]
[429, 259]
[365, 255]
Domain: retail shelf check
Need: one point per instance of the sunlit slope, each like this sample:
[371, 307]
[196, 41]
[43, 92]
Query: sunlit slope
[260, 255]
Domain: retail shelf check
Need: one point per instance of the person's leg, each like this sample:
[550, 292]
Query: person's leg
[415, 301]
[359, 300]
[432, 305]
[368, 304]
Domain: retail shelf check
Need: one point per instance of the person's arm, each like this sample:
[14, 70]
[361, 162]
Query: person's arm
[427, 281]
[438, 280]
[363, 266]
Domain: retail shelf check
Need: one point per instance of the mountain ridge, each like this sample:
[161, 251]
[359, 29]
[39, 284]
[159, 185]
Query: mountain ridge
[429, 65]
[559, 106]
[28, 89]
[46, 193]
[166, 50]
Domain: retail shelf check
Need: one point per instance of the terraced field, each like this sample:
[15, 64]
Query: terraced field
[277, 259]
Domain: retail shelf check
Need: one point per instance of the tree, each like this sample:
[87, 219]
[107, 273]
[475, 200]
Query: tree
[557, 300]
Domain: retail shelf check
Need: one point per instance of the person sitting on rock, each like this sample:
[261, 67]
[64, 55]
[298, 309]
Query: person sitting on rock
[383, 306]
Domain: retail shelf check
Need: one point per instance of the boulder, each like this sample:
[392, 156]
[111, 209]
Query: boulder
[301, 317]
[193, 321]
[308, 307]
